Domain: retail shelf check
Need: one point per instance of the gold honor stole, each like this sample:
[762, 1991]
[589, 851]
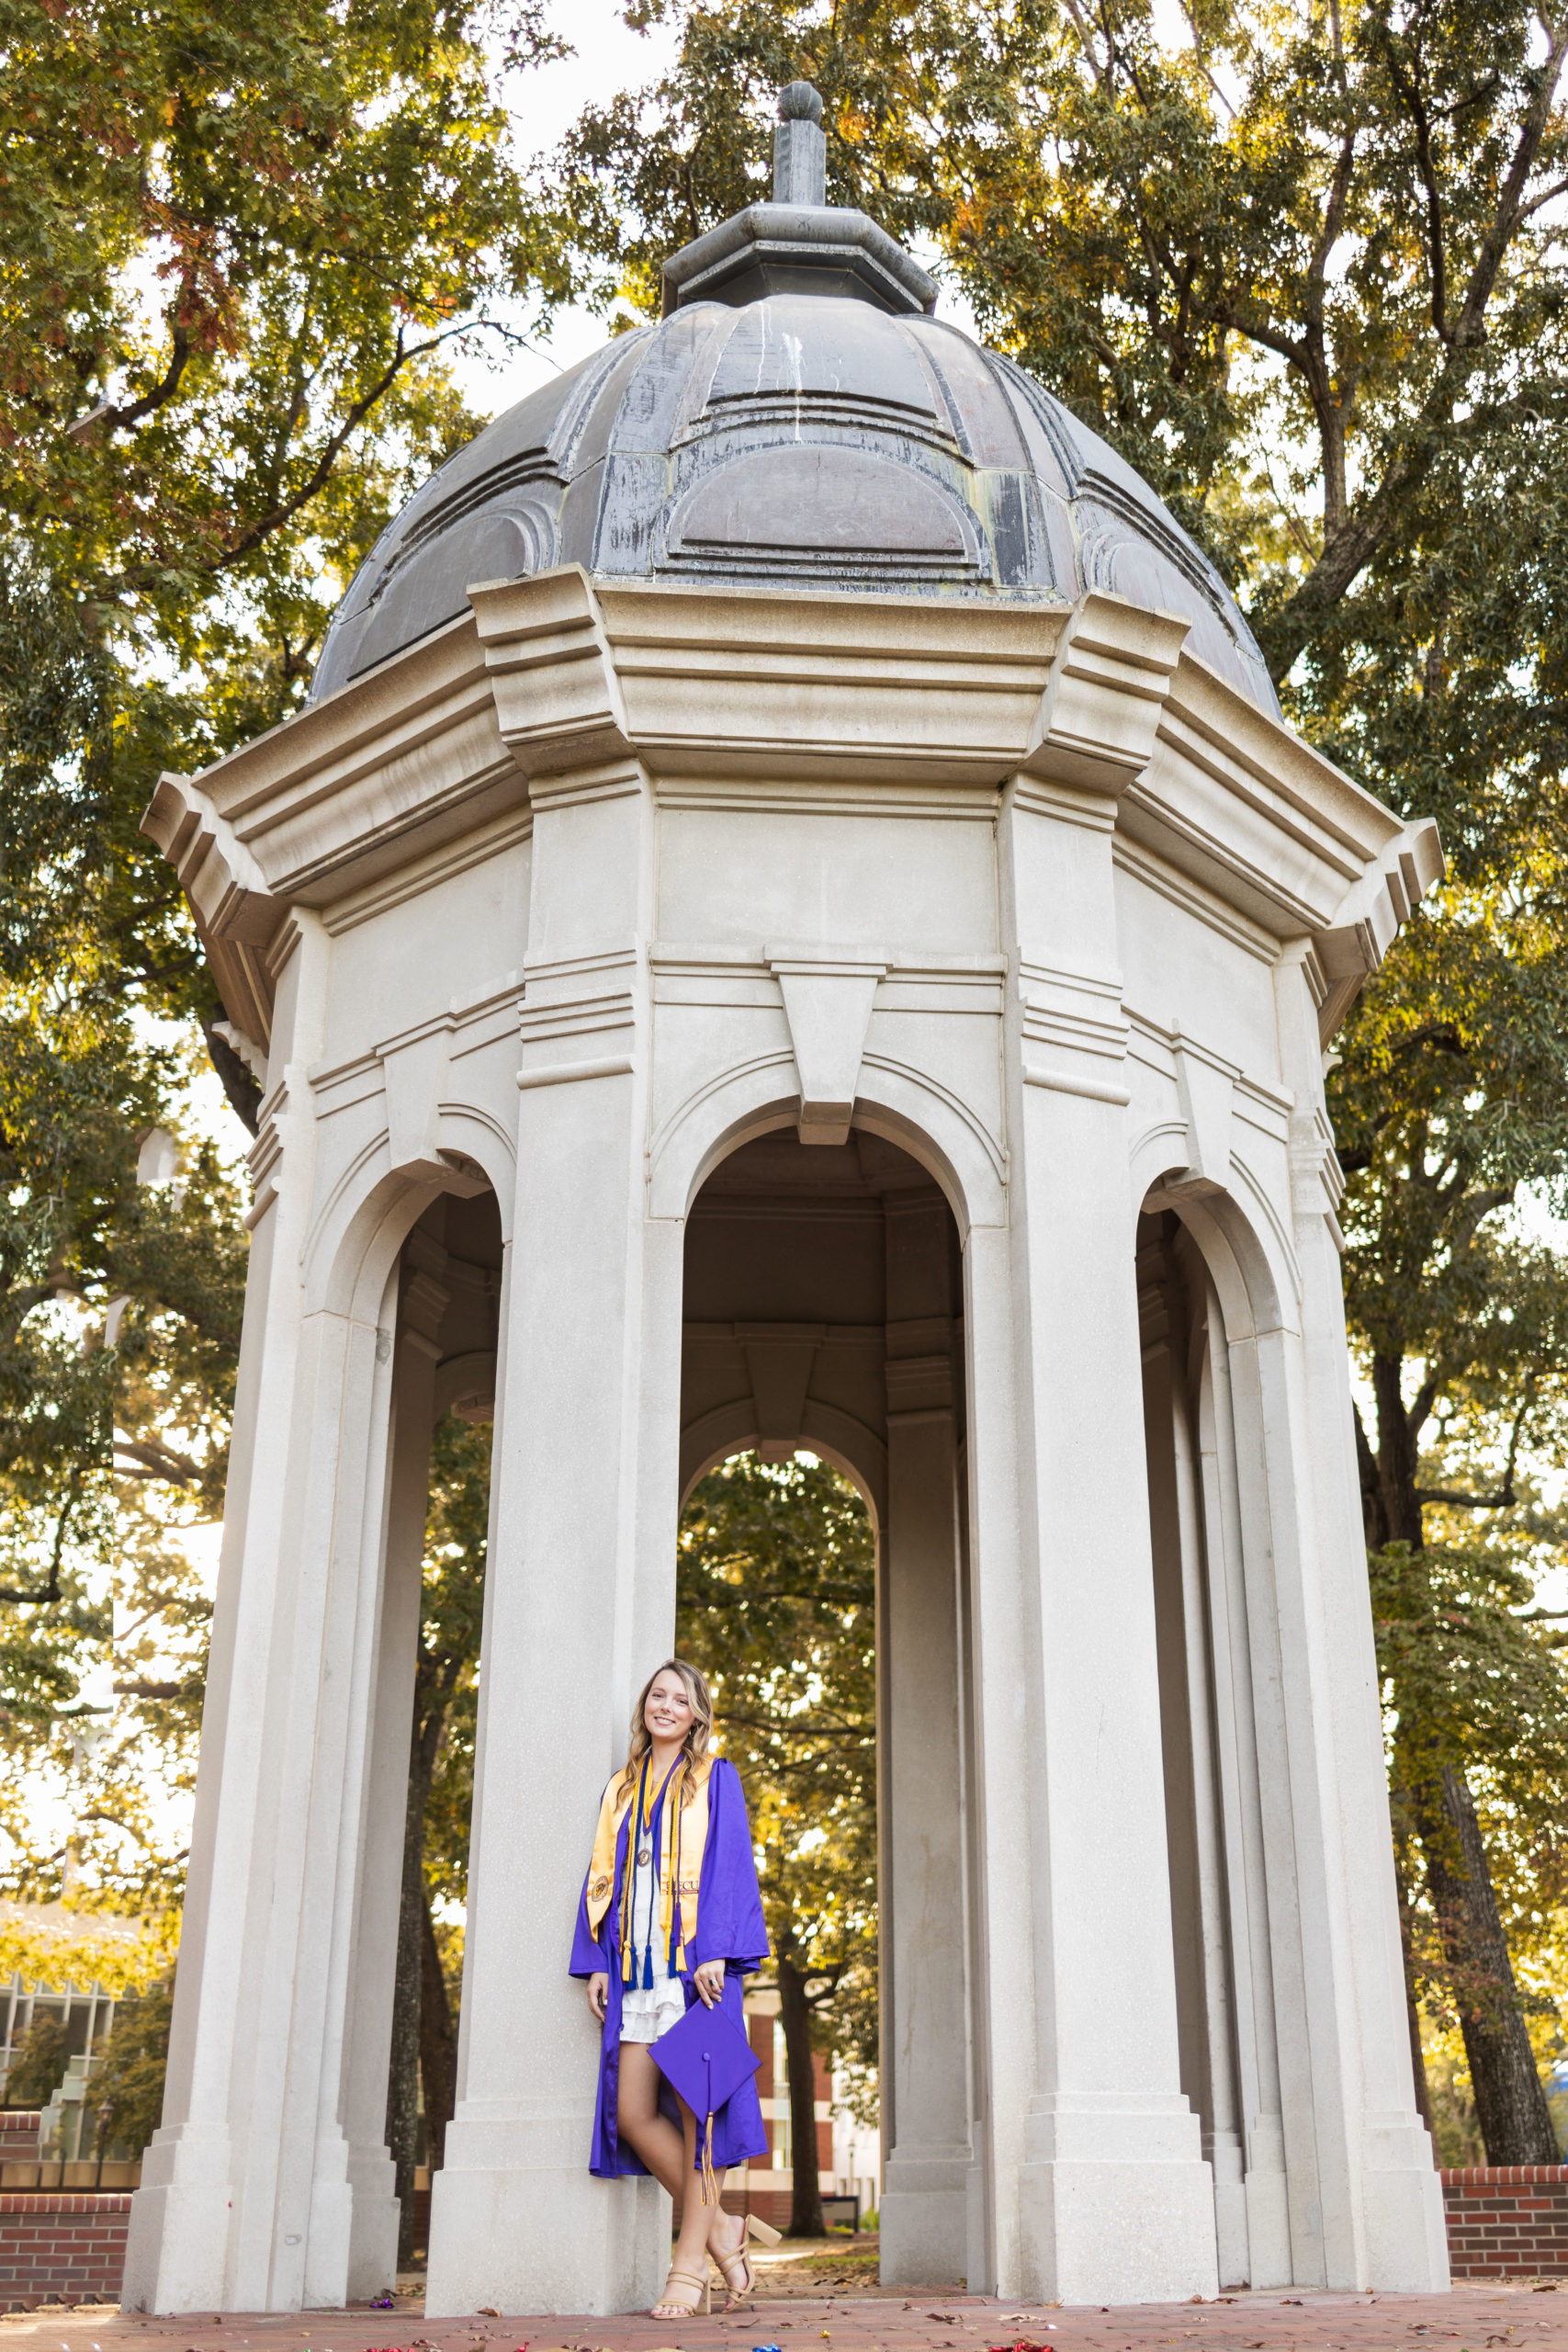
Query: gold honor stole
[682, 1838]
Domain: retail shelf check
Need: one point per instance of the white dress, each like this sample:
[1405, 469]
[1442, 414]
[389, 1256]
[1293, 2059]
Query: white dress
[649, 2010]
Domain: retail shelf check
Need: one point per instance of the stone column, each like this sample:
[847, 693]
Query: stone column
[1115, 2200]
[1253, 1964]
[925, 2123]
[247, 2201]
[1204, 1996]
[373, 2247]
[1382, 2198]
[589, 1321]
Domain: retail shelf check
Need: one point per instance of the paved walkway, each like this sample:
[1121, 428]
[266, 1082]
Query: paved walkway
[1476, 2317]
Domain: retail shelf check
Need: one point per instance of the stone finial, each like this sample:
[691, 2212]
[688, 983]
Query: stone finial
[800, 102]
[800, 147]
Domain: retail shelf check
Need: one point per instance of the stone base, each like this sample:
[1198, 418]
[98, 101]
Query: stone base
[372, 2237]
[1109, 2232]
[1407, 2247]
[924, 2216]
[545, 2240]
[1268, 2230]
[177, 2243]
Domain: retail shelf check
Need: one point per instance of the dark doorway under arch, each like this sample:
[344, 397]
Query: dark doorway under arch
[823, 1312]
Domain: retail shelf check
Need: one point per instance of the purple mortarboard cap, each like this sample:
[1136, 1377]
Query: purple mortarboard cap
[705, 2057]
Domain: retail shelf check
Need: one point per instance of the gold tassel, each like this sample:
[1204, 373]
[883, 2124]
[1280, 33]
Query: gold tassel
[710, 2184]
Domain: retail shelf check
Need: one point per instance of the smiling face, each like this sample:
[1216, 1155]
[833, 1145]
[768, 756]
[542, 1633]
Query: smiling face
[666, 1710]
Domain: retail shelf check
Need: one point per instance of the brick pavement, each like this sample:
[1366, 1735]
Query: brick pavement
[1497, 2317]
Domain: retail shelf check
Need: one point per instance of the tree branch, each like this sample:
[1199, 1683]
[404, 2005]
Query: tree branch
[157, 1461]
[51, 1590]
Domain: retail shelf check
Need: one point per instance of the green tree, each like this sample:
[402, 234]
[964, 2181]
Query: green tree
[129, 2079]
[39, 2067]
[776, 1601]
[1307, 273]
[237, 253]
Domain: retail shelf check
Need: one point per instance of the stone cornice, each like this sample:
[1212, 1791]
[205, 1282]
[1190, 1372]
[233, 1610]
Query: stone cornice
[1098, 711]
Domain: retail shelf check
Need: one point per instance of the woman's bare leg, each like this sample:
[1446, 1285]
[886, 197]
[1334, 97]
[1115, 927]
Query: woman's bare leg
[638, 2122]
[670, 2156]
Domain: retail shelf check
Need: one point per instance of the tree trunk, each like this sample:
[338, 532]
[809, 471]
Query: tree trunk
[1510, 2105]
[806, 2201]
[1418, 2068]
[408, 1996]
[403, 2081]
[437, 2041]
[1411, 2008]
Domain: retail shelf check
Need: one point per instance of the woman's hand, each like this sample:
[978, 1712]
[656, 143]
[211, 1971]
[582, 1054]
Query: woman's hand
[709, 1982]
[598, 1994]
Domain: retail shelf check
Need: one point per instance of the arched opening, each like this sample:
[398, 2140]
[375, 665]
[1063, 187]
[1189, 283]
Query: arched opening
[448, 1288]
[1200, 1429]
[823, 1315]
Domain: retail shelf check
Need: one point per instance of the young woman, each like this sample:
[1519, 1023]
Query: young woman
[670, 1913]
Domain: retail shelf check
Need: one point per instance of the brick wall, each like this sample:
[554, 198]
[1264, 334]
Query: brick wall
[60, 2246]
[18, 2133]
[1506, 2220]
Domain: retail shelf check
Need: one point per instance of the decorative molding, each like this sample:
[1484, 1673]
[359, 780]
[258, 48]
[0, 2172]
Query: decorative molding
[1354, 942]
[568, 1073]
[1062, 1081]
[828, 994]
[237, 917]
[978, 802]
[1074, 1013]
[1109, 675]
[250, 1053]
[558, 699]
[556, 1002]
[1205, 1088]
[918, 1387]
[549, 793]
[1094, 811]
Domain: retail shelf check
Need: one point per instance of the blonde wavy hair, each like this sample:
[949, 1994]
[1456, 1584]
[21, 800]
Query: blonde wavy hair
[695, 1746]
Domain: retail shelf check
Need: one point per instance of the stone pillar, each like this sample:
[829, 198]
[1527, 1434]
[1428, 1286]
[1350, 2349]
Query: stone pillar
[1382, 2199]
[1252, 1951]
[925, 2194]
[1204, 2000]
[591, 1323]
[1115, 2200]
[373, 2247]
[246, 2201]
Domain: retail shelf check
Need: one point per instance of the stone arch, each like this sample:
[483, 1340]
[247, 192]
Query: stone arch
[856, 1452]
[891, 1100]
[1238, 1229]
[353, 1245]
[372, 1207]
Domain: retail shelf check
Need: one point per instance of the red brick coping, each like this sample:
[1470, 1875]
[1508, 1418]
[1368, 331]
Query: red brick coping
[61, 2246]
[1506, 2220]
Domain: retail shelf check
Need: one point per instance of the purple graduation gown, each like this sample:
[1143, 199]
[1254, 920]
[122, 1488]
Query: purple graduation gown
[729, 1927]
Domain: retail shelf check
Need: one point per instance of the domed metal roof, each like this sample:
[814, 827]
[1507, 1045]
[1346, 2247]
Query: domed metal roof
[796, 419]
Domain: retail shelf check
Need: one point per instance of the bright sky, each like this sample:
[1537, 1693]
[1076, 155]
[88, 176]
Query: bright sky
[546, 102]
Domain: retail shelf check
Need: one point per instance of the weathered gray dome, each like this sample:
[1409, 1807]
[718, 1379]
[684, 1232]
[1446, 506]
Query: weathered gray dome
[798, 419]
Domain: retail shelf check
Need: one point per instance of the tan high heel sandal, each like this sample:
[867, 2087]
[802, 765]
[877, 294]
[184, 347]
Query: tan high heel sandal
[665, 2309]
[765, 2234]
